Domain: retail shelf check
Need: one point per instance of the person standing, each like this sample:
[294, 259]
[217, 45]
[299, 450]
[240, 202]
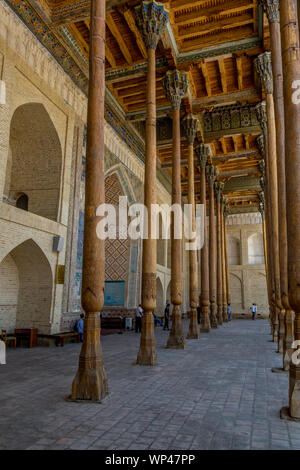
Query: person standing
[253, 310]
[167, 317]
[138, 319]
[79, 326]
[229, 312]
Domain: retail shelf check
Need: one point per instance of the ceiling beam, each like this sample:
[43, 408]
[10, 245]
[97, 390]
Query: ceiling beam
[130, 20]
[233, 6]
[216, 25]
[201, 103]
[221, 64]
[119, 38]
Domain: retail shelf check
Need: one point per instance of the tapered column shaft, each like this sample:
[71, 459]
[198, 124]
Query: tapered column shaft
[291, 77]
[147, 350]
[202, 153]
[219, 188]
[268, 122]
[266, 213]
[190, 124]
[90, 382]
[272, 168]
[151, 18]
[211, 177]
[286, 334]
[226, 260]
[175, 86]
[264, 68]
[224, 284]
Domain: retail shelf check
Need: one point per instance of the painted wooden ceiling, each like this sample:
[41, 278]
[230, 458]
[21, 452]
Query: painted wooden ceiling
[214, 41]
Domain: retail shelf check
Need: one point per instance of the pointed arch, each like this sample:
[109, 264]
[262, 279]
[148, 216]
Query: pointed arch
[26, 285]
[34, 161]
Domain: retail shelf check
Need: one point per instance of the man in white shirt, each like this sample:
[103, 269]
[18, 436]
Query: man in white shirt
[253, 310]
[138, 319]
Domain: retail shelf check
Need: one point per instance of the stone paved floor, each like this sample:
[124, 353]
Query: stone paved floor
[219, 393]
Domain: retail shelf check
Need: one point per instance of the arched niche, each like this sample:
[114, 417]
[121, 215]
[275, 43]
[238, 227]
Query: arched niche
[236, 293]
[256, 249]
[34, 161]
[26, 284]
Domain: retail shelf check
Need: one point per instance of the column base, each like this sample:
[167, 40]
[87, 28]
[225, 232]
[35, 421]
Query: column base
[193, 332]
[89, 385]
[294, 391]
[220, 315]
[213, 317]
[90, 382]
[280, 346]
[176, 338]
[287, 354]
[147, 353]
[205, 322]
[285, 414]
[224, 314]
[279, 370]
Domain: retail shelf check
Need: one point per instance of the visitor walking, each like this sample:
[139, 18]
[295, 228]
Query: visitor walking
[253, 310]
[167, 317]
[138, 319]
[229, 312]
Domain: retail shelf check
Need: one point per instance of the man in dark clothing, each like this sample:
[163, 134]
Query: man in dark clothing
[167, 317]
[199, 315]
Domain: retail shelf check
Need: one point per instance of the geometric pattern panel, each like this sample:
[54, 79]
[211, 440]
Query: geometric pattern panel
[116, 251]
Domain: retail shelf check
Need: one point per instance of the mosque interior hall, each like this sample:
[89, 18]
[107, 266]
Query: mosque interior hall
[109, 108]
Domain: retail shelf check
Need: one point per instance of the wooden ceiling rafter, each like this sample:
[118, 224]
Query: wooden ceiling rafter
[194, 26]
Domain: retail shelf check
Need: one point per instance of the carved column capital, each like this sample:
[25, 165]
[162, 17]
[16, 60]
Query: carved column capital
[261, 205]
[261, 208]
[219, 187]
[271, 7]
[263, 66]
[202, 152]
[262, 167]
[211, 174]
[223, 204]
[261, 144]
[261, 113]
[226, 211]
[190, 125]
[151, 18]
[175, 85]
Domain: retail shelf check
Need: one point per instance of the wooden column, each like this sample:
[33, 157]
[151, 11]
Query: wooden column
[225, 214]
[286, 316]
[175, 85]
[202, 152]
[224, 283]
[264, 69]
[211, 173]
[151, 18]
[266, 117]
[190, 125]
[261, 208]
[90, 382]
[261, 142]
[219, 189]
[291, 78]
